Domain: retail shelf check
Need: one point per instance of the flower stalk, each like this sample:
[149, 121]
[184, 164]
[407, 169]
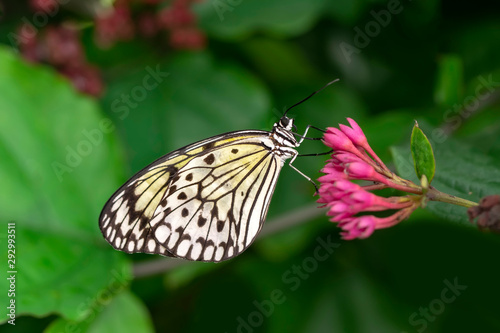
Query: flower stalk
[435, 195]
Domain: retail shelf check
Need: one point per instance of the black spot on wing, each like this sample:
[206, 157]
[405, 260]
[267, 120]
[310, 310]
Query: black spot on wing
[210, 159]
[234, 151]
[202, 241]
[215, 212]
[220, 226]
[172, 170]
[143, 223]
[189, 177]
[209, 145]
[184, 212]
[172, 189]
[184, 236]
[201, 221]
[182, 196]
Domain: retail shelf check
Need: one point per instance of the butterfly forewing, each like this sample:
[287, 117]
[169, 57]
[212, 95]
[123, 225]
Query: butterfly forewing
[206, 201]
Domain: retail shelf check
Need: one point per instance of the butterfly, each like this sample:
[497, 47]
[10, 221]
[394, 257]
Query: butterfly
[206, 201]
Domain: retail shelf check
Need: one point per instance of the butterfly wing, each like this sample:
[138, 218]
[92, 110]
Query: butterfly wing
[206, 201]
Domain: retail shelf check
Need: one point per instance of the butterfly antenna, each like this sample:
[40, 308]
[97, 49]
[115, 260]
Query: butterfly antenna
[305, 99]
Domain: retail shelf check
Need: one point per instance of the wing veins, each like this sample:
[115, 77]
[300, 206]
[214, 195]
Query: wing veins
[256, 198]
[166, 184]
[119, 223]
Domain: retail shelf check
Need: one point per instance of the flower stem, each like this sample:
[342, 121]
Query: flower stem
[436, 195]
[408, 187]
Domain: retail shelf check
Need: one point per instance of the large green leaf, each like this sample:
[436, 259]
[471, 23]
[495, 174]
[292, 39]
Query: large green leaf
[60, 162]
[234, 19]
[123, 313]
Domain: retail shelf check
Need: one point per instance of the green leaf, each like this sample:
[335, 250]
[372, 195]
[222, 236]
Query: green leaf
[274, 59]
[60, 162]
[346, 11]
[353, 296]
[194, 98]
[123, 313]
[449, 84]
[423, 157]
[238, 19]
[460, 170]
[185, 274]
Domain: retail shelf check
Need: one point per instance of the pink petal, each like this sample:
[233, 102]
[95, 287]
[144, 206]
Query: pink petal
[360, 170]
[358, 138]
[334, 138]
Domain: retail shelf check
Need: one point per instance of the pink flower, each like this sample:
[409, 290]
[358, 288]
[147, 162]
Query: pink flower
[353, 159]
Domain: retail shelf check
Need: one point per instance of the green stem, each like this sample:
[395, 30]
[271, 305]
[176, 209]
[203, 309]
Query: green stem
[436, 195]
[405, 186]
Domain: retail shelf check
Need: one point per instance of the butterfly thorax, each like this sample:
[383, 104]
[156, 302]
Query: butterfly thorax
[284, 139]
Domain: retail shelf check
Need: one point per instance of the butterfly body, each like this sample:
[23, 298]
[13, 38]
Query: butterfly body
[204, 202]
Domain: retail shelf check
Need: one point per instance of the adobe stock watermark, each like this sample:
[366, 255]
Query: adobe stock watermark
[92, 306]
[93, 137]
[420, 320]
[292, 279]
[453, 118]
[372, 29]
[31, 26]
[11, 272]
[223, 6]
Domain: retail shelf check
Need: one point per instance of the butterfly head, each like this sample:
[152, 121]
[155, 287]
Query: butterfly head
[286, 123]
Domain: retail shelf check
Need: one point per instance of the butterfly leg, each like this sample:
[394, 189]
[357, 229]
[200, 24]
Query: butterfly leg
[317, 154]
[304, 136]
[301, 173]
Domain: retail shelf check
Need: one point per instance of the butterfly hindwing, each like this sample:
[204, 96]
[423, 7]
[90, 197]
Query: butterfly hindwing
[125, 218]
[218, 202]
[206, 201]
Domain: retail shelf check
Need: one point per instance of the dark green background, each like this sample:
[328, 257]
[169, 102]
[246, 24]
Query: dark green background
[261, 57]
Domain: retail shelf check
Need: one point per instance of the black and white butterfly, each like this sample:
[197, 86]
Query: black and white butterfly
[206, 201]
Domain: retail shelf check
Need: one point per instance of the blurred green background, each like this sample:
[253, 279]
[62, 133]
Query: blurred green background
[67, 144]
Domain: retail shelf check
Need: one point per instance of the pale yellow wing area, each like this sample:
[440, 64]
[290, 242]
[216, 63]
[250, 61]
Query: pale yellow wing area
[208, 174]
[218, 202]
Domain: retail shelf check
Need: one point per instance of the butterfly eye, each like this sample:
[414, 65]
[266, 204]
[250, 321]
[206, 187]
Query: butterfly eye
[284, 122]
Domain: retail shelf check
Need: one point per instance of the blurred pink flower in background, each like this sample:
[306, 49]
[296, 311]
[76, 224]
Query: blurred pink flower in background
[59, 44]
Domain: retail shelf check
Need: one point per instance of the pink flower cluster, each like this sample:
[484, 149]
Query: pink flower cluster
[353, 159]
